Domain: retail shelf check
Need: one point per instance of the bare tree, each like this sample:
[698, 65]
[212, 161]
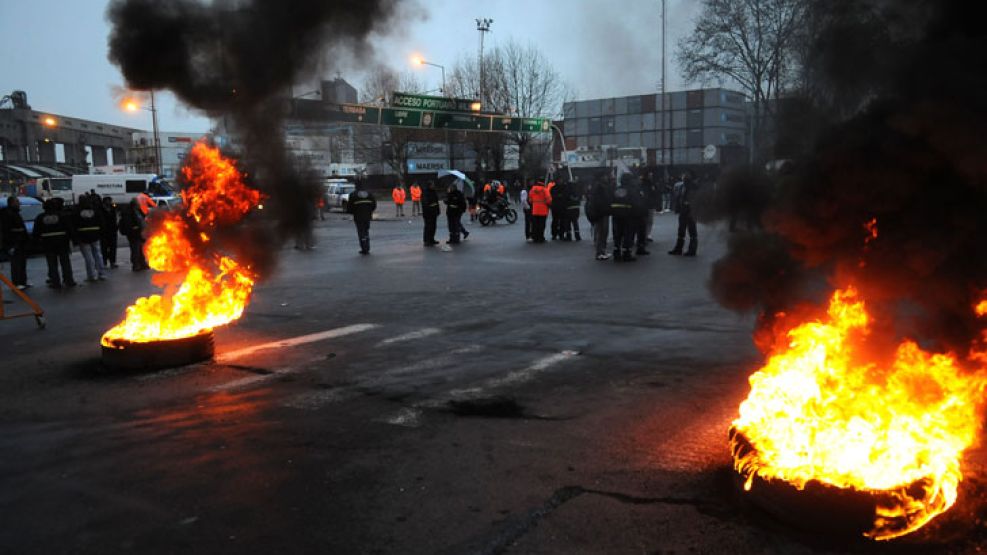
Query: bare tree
[748, 42]
[519, 81]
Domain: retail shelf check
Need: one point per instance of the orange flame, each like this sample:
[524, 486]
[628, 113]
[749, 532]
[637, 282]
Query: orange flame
[215, 288]
[819, 410]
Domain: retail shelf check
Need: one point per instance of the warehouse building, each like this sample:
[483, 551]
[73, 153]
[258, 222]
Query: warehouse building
[686, 128]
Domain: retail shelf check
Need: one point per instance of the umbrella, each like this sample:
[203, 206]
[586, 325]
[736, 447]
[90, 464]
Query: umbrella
[463, 183]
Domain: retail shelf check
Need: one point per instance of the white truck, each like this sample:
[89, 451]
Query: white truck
[120, 187]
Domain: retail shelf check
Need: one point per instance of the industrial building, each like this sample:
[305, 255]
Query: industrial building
[684, 128]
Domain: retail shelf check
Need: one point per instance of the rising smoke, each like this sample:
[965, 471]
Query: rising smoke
[236, 60]
[909, 79]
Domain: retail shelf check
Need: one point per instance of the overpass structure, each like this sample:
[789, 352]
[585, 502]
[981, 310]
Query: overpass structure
[29, 138]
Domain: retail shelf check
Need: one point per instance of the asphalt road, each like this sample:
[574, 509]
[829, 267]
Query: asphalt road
[498, 397]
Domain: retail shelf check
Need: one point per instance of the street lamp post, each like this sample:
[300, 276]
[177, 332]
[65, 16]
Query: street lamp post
[131, 105]
[422, 62]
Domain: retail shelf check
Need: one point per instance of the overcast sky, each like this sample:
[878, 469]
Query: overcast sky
[56, 49]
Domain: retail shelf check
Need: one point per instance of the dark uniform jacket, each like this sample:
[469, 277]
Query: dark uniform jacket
[13, 232]
[455, 201]
[88, 225]
[362, 205]
[598, 205]
[626, 202]
[430, 202]
[110, 226]
[131, 224]
[54, 230]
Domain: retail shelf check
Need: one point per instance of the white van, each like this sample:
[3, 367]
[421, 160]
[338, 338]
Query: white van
[120, 187]
[336, 193]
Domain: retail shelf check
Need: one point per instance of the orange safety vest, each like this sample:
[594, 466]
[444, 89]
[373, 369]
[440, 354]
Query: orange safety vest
[416, 193]
[486, 188]
[540, 198]
[398, 195]
[500, 189]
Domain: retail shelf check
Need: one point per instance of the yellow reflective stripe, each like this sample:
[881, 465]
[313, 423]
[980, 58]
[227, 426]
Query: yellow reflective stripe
[89, 228]
[620, 206]
[53, 234]
[362, 202]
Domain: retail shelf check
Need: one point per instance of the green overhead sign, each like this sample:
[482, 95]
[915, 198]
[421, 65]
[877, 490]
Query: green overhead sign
[425, 102]
[434, 119]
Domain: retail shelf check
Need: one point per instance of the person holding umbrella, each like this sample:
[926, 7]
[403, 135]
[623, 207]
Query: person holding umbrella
[455, 206]
[430, 211]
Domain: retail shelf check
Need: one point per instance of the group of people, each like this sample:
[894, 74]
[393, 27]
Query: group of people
[626, 206]
[399, 196]
[362, 205]
[92, 224]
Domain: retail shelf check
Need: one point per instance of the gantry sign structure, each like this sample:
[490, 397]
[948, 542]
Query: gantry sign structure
[431, 112]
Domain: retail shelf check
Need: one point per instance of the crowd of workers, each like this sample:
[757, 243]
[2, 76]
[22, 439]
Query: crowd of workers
[91, 224]
[625, 206]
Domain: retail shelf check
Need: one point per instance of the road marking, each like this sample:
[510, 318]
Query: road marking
[293, 341]
[407, 417]
[410, 336]
[517, 377]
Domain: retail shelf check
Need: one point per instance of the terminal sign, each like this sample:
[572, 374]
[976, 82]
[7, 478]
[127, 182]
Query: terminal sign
[424, 102]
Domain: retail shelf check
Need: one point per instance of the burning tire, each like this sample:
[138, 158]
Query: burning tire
[822, 508]
[155, 355]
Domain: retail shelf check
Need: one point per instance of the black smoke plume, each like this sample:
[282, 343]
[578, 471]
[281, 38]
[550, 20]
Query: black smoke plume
[907, 78]
[236, 61]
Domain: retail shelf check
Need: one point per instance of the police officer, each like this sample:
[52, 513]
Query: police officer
[598, 214]
[573, 204]
[362, 205]
[108, 239]
[430, 212]
[13, 234]
[88, 229]
[646, 217]
[626, 203]
[54, 230]
[559, 190]
[132, 227]
[682, 197]
[455, 206]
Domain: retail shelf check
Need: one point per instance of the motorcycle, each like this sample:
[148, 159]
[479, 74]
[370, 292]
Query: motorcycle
[491, 213]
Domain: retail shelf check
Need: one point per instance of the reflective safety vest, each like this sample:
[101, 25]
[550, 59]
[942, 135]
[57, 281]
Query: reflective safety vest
[398, 195]
[416, 193]
[540, 198]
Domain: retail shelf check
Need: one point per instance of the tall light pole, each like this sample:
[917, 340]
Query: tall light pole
[483, 26]
[131, 105]
[418, 60]
[661, 93]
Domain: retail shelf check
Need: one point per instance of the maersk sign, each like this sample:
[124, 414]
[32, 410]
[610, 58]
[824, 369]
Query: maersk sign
[423, 102]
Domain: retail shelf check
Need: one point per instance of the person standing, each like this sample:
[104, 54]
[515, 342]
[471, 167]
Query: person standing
[526, 209]
[598, 214]
[650, 199]
[455, 206]
[13, 240]
[682, 197]
[416, 200]
[540, 200]
[398, 196]
[557, 209]
[132, 227]
[362, 205]
[53, 229]
[573, 204]
[108, 237]
[430, 212]
[625, 204]
[88, 229]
